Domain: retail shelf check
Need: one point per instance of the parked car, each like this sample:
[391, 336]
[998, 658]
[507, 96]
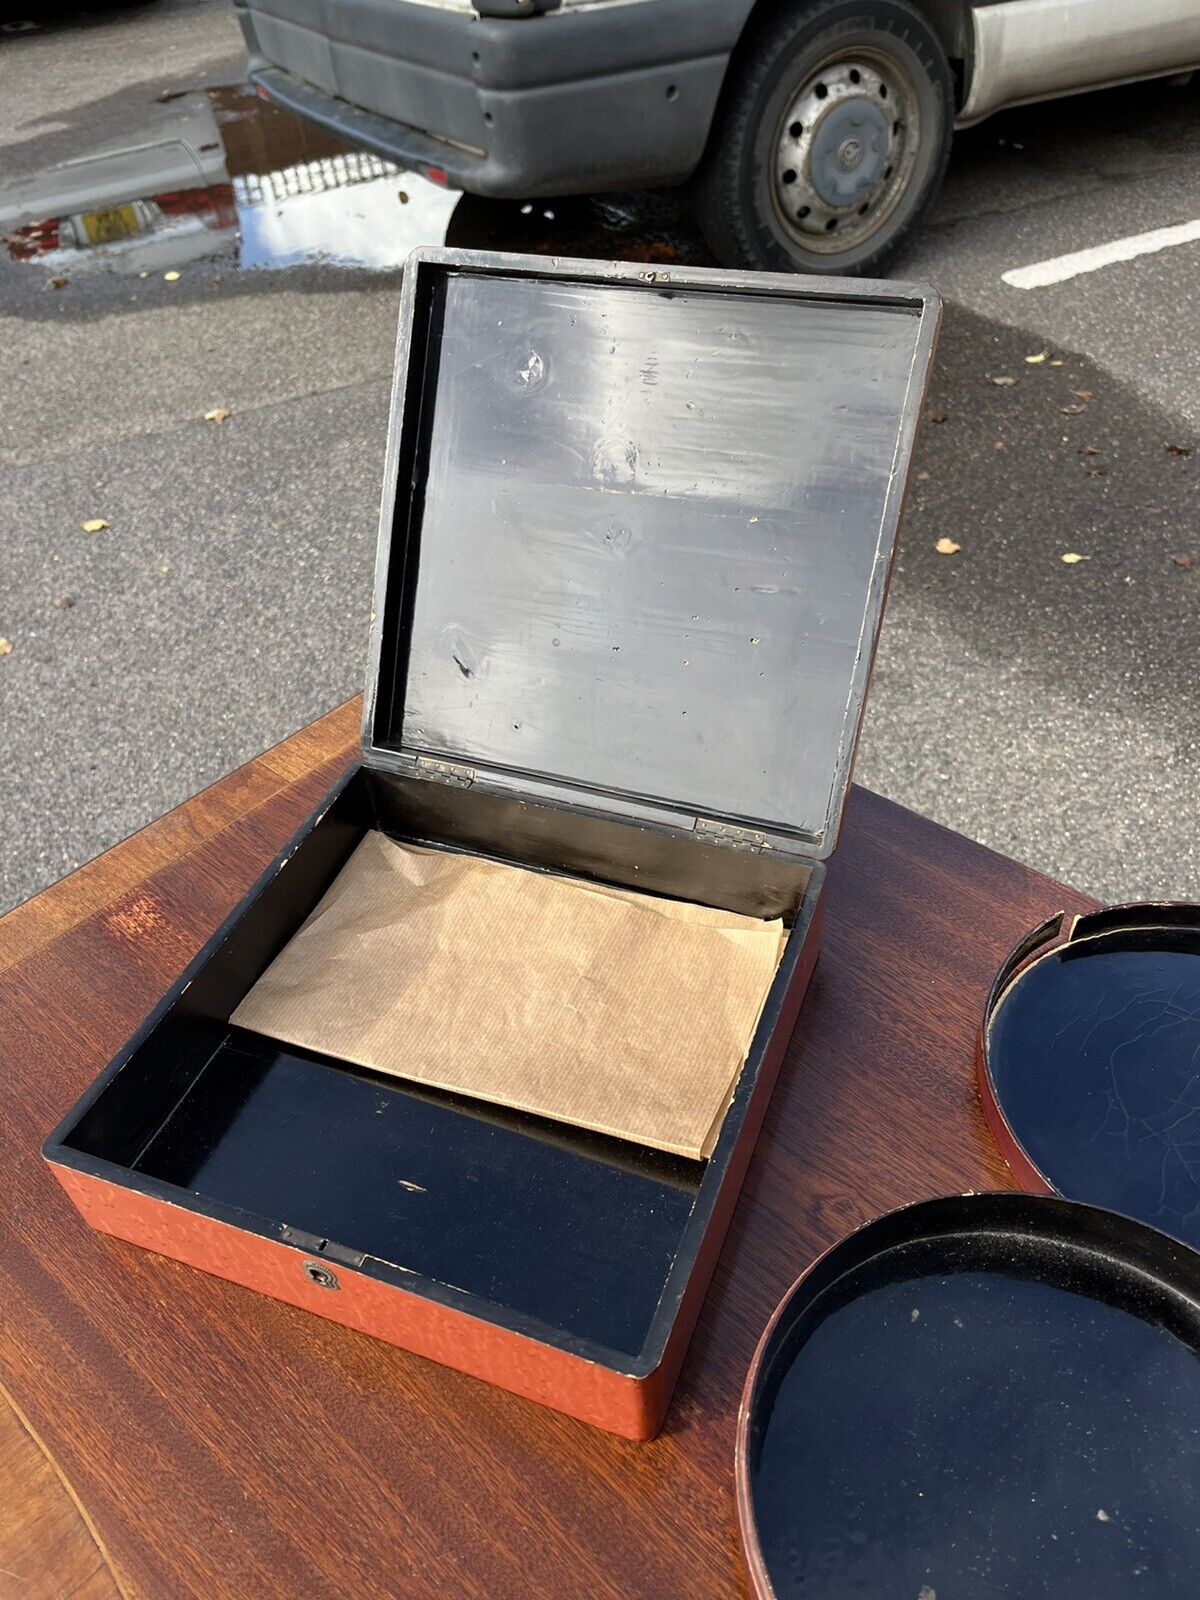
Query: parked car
[816, 131]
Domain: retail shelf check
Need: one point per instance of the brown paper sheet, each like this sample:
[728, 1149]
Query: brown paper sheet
[611, 1010]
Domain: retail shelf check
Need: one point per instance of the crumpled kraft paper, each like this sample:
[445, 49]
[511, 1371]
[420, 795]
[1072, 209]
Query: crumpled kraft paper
[615, 1011]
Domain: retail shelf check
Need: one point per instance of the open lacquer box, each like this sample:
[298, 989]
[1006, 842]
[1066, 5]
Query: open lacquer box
[636, 533]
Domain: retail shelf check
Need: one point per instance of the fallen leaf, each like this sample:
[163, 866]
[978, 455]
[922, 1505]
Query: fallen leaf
[1089, 450]
[217, 414]
[1036, 361]
[1097, 469]
[1178, 449]
[922, 477]
[64, 602]
[1072, 411]
[947, 547]
[999, 445]
[5, 647]
[1004, 383]
[402, 196]
[170, 277]
[94, 525]
[1056, 363]
[1082, 394]
[1071, 559]
[145, 274]
[935, 416]
[56, 283]
[164, 570]
[1184, 561]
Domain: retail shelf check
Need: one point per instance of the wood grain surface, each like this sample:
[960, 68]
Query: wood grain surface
[48, 1547]
[225, 1445]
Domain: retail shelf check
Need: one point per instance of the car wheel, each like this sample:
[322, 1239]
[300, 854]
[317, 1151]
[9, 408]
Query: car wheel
[831, 139]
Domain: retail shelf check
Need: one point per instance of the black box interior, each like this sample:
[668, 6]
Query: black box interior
[548, 1225]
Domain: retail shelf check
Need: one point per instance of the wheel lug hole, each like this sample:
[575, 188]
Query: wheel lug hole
[796, 129]
[789, 176]
[855, 75]
[803, 211]
[821, 91]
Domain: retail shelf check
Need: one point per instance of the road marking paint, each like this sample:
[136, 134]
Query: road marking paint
[1059, 268]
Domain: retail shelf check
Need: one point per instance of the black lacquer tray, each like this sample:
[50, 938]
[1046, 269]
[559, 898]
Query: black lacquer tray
[1089, 1062]
[989, 1397]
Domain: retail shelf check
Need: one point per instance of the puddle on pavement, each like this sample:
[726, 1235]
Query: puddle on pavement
[222, 174]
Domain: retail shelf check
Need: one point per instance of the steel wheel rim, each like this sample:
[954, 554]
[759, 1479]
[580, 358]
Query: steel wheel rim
[845, 149]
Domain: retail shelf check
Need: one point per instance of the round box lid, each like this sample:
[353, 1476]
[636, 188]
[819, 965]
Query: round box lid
[991, 1397]
[1089, 1063]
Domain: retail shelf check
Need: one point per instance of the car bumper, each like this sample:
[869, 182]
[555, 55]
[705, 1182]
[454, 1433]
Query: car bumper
[569, 101]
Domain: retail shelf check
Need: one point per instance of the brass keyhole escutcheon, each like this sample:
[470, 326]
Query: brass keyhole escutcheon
[321, 1276]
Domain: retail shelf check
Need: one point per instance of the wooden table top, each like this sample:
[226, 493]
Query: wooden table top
[170, 1435]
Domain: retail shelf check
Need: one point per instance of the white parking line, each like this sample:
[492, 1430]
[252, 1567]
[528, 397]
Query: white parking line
[1059, 268]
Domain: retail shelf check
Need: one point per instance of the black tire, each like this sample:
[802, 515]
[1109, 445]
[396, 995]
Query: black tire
[741, 198]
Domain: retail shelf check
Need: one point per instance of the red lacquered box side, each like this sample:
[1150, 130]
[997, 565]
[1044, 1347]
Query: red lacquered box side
[553, 1377]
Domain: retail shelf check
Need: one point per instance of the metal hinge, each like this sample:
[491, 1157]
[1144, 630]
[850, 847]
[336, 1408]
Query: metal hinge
[446, 772]
[731, 837]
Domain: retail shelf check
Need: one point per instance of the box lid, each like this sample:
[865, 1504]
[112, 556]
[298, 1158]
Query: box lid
[636, 531]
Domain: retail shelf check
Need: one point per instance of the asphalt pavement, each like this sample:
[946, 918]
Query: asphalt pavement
[1047, 708]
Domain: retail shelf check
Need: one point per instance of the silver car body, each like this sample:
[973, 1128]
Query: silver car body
[1036, 49]
[543, 97]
